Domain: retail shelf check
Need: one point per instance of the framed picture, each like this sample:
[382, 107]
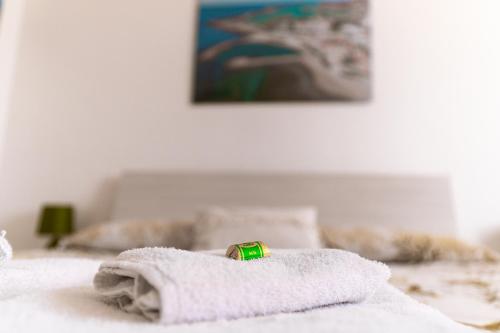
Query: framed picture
[282, 50]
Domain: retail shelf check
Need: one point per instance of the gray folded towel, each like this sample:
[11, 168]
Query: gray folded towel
[174, 286]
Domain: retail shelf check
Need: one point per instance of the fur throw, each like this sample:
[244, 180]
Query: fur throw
[403, 246]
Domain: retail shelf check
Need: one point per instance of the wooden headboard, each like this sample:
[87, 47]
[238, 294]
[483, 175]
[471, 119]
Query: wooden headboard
[408, 202]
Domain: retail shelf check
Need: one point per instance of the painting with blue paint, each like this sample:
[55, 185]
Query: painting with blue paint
[282, 50]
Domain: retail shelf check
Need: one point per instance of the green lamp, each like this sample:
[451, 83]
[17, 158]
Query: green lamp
[56, 221]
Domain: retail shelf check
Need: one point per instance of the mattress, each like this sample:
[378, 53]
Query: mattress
[53, 292]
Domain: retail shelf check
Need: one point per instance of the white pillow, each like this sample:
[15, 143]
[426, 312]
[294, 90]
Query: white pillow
[217, 228]
[131, 234]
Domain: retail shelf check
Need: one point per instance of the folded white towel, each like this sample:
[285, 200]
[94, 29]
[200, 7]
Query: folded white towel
[174, 286]
[5, 248]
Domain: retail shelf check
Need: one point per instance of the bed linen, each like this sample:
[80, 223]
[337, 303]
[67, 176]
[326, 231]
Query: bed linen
[55, 294]
[466, 292]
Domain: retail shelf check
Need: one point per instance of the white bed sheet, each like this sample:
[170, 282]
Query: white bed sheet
[56, 295]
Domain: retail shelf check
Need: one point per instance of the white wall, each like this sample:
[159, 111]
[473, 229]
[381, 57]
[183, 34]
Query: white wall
[103, 86]
[476, 119]
[10, 18]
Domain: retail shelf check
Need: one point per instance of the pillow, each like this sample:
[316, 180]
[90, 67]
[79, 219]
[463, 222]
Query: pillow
[390, 245]
[126, 235]
[217, 228]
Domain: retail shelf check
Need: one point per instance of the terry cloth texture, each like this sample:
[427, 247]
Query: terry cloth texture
[175, 286]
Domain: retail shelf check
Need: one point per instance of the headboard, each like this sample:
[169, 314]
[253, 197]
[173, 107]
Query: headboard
[409, 202]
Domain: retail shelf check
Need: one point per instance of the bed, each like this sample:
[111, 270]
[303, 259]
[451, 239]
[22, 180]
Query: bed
[468, 293]
[53, 290]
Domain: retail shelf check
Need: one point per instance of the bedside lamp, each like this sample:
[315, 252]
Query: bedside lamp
[55, 221]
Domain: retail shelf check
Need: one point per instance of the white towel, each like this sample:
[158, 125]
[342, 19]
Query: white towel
[174, 286]
[5, 248]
